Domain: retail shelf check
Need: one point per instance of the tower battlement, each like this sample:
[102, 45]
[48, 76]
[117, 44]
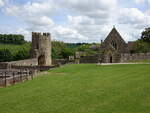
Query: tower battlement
[40, 34]
[36, 33]
[41, 48]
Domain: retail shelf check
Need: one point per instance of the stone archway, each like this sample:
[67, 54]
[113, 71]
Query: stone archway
[110, 59]
[41, 60]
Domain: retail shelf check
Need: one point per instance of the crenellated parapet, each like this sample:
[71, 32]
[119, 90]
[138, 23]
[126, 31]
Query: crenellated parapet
[40, 34]
[41, 47]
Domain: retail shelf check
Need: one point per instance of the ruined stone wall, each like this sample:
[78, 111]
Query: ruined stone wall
[27, 62]
[41, 48]
[89, 59]
[134, 57]
[60, 61]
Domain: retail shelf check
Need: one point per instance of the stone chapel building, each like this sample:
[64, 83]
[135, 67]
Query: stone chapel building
[112, 48]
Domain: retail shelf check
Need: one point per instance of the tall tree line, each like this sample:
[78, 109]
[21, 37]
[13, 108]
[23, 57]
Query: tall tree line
[12, 39]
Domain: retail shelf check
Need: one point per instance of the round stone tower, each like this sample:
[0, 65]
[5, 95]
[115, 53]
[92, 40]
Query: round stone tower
[41, 48]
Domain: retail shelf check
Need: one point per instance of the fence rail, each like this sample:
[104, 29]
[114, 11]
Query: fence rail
[13, 76]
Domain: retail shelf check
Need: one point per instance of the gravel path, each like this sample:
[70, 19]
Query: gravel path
[119, 63]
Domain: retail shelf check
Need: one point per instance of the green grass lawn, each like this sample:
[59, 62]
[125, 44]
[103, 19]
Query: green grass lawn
[84, 88]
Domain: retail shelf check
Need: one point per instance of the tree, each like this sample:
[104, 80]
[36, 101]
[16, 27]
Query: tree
[141, 47]
[12, 39]
[22, 54]
[57, 49]
[5, 55]
[66, 52]
[146, 35]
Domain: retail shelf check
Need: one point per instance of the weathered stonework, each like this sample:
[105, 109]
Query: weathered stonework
[112, 47]
[125, 57]
[40, 52]
[41, 48]
[115, 50]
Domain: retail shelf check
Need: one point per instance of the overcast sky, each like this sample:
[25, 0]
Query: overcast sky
[75, 20]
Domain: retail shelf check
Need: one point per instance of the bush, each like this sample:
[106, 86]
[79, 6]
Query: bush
[5, 55]
[22, 54]
[141, 47]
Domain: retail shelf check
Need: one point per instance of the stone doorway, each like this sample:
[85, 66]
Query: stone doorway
[41, 60]
[110, 60]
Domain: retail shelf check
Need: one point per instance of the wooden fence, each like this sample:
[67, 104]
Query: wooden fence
[13, 76]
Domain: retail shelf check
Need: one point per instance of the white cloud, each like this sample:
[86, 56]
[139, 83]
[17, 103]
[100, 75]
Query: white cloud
[2, 3]
[85, 20]
[68, 34]
[34, 15]
[89, 5]
[134, 17]
[26, 33]
[91, 8]
[142, 1]
[40, 21]
[76, 20]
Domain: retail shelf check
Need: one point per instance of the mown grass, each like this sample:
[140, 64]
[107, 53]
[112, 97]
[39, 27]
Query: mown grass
[84, 88]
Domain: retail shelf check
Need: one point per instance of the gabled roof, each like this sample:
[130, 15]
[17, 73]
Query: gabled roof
[115, 34]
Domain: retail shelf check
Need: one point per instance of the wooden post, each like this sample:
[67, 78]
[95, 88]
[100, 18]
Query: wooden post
[13, 77]
[20, 76]
[27, 74]
[5, 78]
[32, 74]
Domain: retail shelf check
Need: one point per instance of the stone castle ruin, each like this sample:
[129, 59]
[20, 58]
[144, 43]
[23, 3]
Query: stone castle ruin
[40, 52]
[115, 50]
[112, 50]
[112, 47]
[19, 71]
[41, 48]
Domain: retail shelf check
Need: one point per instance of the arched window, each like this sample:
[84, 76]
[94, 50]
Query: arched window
[114, 44]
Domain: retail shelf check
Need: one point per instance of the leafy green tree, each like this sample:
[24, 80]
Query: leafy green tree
[141, 47]
[5, 55]
[12, 39]
[86, 48]
[66, 52]
[146, 35]
[83, 47]
[57, 49]
[22, 54]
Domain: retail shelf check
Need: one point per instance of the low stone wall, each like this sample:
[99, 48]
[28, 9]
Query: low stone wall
[59, 61]
[135, 57]
[3, 65]
[37, 68]
[27, 62]
[89, 59]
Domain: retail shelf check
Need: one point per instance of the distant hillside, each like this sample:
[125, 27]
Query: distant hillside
[15, 48]
[13, 52]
